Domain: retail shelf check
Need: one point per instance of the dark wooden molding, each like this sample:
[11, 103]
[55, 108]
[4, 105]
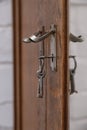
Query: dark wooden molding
[17, 64]
[65, 78]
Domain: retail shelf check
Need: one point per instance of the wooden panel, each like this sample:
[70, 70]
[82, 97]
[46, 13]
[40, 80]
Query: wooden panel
[57, 83]
[51, 112]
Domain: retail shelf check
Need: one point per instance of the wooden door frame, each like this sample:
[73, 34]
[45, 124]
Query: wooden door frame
[17, 63]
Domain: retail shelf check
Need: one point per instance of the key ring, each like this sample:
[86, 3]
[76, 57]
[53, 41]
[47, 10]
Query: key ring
[75, 62]
[41, 65]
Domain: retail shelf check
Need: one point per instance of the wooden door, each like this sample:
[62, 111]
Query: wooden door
[49, 112]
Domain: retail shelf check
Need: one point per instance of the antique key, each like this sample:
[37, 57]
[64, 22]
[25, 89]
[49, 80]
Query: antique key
[72, 74]
[40, 75]
[72, 80]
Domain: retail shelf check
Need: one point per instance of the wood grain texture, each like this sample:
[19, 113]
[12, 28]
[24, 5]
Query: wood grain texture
[33, 108]
[51, 112]
[57, 85]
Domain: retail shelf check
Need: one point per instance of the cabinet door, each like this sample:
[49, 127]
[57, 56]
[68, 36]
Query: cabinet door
[50, 111]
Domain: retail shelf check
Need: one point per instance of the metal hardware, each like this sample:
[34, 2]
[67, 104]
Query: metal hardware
[72, 74]
[52, 57]
[48, 57]
[40, 37]
[37, 37]
[75, 63]
[41, 66]
[40, 75]
[41, 72]
[44, 57]
[74, 38]
[53, 61]
[72, 80]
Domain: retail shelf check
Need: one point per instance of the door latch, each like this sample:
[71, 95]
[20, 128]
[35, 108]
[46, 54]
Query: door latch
[38, 37]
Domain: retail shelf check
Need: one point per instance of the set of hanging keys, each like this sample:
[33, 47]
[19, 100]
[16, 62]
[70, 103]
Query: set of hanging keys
[41, 72]
[41, 75]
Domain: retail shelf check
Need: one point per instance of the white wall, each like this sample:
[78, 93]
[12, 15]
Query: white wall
[78, 103]
[6, 66]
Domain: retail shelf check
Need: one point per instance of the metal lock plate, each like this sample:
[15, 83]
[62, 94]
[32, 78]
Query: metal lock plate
[53, 47]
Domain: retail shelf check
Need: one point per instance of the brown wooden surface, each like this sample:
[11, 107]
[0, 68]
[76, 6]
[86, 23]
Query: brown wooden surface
[50, 112]
[17, 64]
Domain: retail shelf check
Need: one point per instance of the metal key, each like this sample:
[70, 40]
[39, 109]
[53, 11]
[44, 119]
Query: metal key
[72, 73]
[40, 87]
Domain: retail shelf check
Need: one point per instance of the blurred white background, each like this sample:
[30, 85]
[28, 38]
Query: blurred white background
[6, 66]
[78, 103]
